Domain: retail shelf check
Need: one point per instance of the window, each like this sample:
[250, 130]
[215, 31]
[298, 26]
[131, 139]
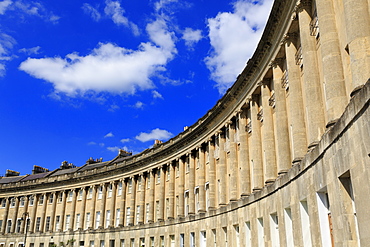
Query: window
[51, 198]
[88, 219]
[47, 224]
[128, 216]
[92, 243]
[107, 219]
[9, 226]
[100, 192]
[147, 213]
[122, 243]
[97, 219]
[70, 196]
[57, 222]
[142, 241]
[137, 214]
[207, 196]
[305, 221]
[237, 236]
[110, 190]
[78, 218]
[260, 233]
[186, 202]
[224, 230]
[182, 240]
[1, 225]
[157, 209]
[102, 243]
[3, 203]
[38, 222]
[248, 236]
[41, 201]
[168, 172]
[120, 188]
[132, 242]
[118, 214]
[188, 165]
[111, 243]
[148, 181]
[68, 219]
[21, 204]
[18, 229]
[192, 239]
[158, 176]
[80, 194]
[89, 195]
[177, 169]
[203, 239]
[162, 241]
[12, 202]
[274, 229]
[32, 200]
[130, 185]
[197, 204]
[151, 241]
[139, 183]
[60, 197]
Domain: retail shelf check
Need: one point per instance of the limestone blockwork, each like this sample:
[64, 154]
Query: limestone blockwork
[282, 159]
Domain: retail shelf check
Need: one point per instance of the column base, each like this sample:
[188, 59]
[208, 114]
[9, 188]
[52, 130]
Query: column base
[356, 90]
[282, 172]
[331, 123]
[269, 181]
[312, 145]
[297, 160]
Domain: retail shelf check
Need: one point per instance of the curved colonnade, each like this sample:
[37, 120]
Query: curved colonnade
[280, 160]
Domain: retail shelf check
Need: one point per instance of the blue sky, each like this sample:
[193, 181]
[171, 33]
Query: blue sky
[81, 79]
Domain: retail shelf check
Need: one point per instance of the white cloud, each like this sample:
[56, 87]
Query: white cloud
[157, 95]
[115, 11]
[36, 9]
[125, 140]
[116, 149]
[6, 45]
[90, 10]
[30, 51]
[139, 105]
[110, 134]
[233, 38]
[113, 108]
[4, 5]
[91, 143]
[156, 134]
[191, 36]
[101, 144]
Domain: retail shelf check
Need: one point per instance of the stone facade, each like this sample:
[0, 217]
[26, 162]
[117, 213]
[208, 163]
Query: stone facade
[281, 160]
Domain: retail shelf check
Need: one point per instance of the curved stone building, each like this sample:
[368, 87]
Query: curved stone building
[282, 159]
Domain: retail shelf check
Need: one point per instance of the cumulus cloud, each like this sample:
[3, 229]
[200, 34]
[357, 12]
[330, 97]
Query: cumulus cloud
[90, 10]
[233, 38]
[30, 51]
[114, 10]
[156, 134]
[191, 36]
[108, 68]
[4, 5]
[125, 140]
[110, 134]
[139, 105]
[116, 149]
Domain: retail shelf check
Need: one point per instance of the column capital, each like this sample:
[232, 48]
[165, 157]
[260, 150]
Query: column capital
[289, 38]
[276, 62]
[303, 5]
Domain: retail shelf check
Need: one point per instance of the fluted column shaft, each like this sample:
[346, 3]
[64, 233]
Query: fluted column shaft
[181, 187]
[83, 208]
[112, 204]
[233, 163]
[357, 21]
[312, 86]
[62, 213]
[25, 211]
[73, 211]
[296, 112]
[5, 219]
[103, 205]
[245, 181]
[171, 192]
[122, 204]
[142, 200]
[161, 195]
[212, 175]
[335, 90]
[268, 137]
[15, 214]
[43, 212]
[33, 214]
[256, 147]
[191, 178]
[132, 202]
[93, 206]
[284, 160]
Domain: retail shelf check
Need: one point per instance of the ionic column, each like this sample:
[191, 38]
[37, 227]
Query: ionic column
[6, 212]
[357, 21]
[233, 163]
[161, 194]
[53, 210]
[245, 181]
[151, 196]
[335, 90]
[33, 214]
[296, 112]
[311, 78]
[181, 188]
[103, 205]
[171, 192]
[281, 120]
[212, 174]
[112, 204]
[73, 212]
[201, 181]
[15, 214]
[122, 204]
[25, 212]
[142, 199]
[62, 213]
[43, 212]
[83, 208]
[268, 135]
[256, 147]
[221, 169]
[132, 202]
[93, 206]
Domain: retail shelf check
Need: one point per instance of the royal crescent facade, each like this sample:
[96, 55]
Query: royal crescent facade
[282, 159]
